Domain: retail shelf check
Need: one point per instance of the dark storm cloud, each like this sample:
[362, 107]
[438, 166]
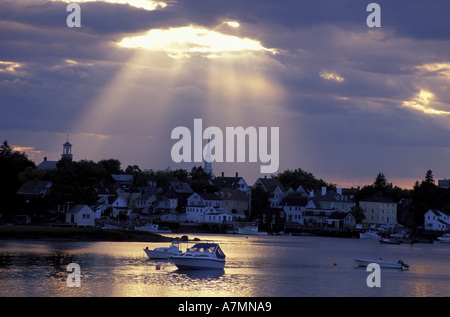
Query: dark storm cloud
[345, 84]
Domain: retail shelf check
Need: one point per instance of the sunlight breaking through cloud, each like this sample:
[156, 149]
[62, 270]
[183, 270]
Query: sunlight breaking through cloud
[422, 101]
[331, 76]
[143, 4]
[189, 39]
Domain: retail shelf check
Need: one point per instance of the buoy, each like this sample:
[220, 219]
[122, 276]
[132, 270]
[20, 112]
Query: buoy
[334, 264]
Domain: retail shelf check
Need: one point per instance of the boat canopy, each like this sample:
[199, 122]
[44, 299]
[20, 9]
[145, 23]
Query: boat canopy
[208, 247]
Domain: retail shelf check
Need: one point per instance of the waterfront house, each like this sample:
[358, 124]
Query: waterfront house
[81, 216]
[316, 217]
[148, 199]
[274, 187]
[179, 190]
[436, 220]
[200, 204]
[234, 183]
[234, 202]
[379, 210]
[273, 219]
[294, 207]
[341, 219]
[118, 206]
[217, 217]
[333, 200]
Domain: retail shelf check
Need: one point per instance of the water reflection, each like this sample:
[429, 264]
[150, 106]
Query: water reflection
[269, 266]
[201, 274]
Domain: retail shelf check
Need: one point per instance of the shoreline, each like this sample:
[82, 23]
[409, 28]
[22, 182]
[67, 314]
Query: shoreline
[69, 234]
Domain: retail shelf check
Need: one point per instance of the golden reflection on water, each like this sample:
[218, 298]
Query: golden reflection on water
[270, 266]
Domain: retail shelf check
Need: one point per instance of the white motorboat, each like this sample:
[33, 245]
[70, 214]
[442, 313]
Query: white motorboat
[164, 253]
[445, 238]
[154, 228]
[387, 265]
[251, 230]
[369, 234]
[201, 256]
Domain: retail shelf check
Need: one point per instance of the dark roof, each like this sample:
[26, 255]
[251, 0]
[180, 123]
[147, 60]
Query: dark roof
[181, 187]
[209, 196]
[226, 182]
[294, 201]
[270, 184]
[47, 165]
[77, 208]
[34, 188]
[233, 194]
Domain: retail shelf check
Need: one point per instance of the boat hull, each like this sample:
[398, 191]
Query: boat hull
[369, 235]
[381, 263]
[185, 263]
[251, 232]
[163, 255]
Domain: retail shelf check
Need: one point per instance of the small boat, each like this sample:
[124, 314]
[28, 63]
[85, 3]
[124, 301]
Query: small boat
[164, 253]
[369, 234]
[251, 230]
[389, 241]
[201, 256]
[445, 238]
[387, 265]
[153, 228]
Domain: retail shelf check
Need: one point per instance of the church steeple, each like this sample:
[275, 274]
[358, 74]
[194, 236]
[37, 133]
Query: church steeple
[67, 150]
[208, 160]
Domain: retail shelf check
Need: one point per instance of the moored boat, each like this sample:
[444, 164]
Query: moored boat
[251, 230]
[154, 228]
[201, 256]
[445, 238]
[387, 265]
[164, 253]
[369, 234]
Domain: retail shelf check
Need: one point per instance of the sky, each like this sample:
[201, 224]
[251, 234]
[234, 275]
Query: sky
[350, 101]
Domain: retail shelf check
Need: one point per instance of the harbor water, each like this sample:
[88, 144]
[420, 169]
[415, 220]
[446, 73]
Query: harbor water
[256, 266]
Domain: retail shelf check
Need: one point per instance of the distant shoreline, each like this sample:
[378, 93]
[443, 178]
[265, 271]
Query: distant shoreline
[47, 233]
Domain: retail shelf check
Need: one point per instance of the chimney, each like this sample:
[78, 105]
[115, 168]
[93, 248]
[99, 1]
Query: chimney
[237, 174]
[223, 174]
[45, 158]
[339, 191]
[324, 191]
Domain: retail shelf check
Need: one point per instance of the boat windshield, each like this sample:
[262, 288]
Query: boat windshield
[203, 247]
[208, 247]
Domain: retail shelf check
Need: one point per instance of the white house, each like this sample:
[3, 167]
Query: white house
[379, 210]
[81, 216]
[205, 199]
[217, 217]
[197, 213]
[294, 207]
[119, 205]
[199, 204]
[436, 220]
